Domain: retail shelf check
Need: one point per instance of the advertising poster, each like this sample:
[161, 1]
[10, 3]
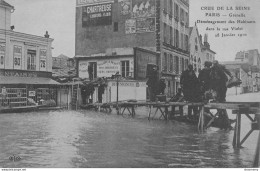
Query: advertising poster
[43, 57]
[125, 6]
[107, 68]
[2, 55]
[145, 25]
[97, 15]
[130, 26]
[143, 8]
[17, 57]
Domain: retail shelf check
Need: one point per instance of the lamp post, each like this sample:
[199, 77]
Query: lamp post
[117, 75]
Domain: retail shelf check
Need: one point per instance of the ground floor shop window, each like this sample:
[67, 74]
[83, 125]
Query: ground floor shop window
[14, 97]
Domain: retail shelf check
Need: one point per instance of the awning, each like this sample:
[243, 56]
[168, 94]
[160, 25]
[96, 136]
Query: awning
[27, 80]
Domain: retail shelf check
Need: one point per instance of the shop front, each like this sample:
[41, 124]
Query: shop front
[27, 88]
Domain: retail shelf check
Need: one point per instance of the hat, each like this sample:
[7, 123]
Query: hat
[208, 64]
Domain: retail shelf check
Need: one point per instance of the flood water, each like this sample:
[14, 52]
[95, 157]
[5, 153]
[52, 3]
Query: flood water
[58, 139]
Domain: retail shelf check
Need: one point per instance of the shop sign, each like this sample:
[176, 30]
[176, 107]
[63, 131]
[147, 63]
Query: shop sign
[31, 93]
[92, 2]
[18, 74]
[97, 15]
[107, 68]
[129, 84]
[143, 8]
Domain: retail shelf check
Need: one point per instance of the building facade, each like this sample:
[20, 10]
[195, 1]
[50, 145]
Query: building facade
[195, 46]
[113, 28]
[25, 63]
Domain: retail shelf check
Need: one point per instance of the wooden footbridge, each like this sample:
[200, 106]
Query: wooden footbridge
[250, 109]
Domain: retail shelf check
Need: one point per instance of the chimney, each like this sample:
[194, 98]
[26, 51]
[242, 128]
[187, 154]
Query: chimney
[46, 35]
[200, 38]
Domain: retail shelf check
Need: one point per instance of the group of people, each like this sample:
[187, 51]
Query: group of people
[210, 84]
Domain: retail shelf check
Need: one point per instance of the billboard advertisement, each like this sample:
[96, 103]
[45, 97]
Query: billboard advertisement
[97, 15]
[143, 8]
[81, 3]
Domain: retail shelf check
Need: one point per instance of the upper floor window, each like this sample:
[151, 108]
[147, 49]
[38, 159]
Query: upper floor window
[31, 60]
[125, 68]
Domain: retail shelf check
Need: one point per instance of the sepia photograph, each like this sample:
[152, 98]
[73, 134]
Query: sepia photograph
[129, 84]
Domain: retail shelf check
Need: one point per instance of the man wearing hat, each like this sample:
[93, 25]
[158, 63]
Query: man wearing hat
[204, 77]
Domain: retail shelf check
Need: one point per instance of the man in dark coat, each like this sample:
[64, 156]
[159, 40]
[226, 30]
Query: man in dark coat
[204, 77]
[218, 79]
[190, 86]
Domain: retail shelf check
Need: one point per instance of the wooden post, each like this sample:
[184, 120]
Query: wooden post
[238, 130]
[256, 159]
[201, 119]
[166, 112]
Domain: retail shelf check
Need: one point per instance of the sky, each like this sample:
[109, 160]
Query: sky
[58, 18]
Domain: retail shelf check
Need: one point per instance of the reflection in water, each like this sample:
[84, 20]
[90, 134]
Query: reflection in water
[90, 139]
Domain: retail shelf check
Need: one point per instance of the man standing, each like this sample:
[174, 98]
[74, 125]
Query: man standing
[190, 86]
[204, 77]
[218, 79]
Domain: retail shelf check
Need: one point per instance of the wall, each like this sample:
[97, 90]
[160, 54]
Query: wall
[96, 39]
[115, 63]
[5, 18]
[127, 90]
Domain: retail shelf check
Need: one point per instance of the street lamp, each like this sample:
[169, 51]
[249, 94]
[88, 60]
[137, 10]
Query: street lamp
[117, 75]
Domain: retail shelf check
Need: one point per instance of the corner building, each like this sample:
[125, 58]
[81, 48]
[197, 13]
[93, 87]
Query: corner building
[25, 63]
[110, 29]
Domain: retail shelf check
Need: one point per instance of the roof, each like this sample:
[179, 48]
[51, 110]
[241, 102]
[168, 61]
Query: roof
[27, 80]
[3, 3]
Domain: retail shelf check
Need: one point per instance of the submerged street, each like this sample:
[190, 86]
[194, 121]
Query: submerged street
[91, 139]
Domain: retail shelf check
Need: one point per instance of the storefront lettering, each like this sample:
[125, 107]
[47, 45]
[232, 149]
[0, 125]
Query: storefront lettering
[19, 74]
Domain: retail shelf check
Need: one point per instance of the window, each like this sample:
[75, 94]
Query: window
[125, 68]
[92, 70]
[176, 11]
[171, 36]
[165, 62]
[115, 26]
[171, 62]
[186, 42]
[176, 64]
[171, 6]
[165, 6]
[207, 57]
[176, 44]
[164, 33]
[31, 60]
[182, 15]
[182, 42]
[183, 64]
